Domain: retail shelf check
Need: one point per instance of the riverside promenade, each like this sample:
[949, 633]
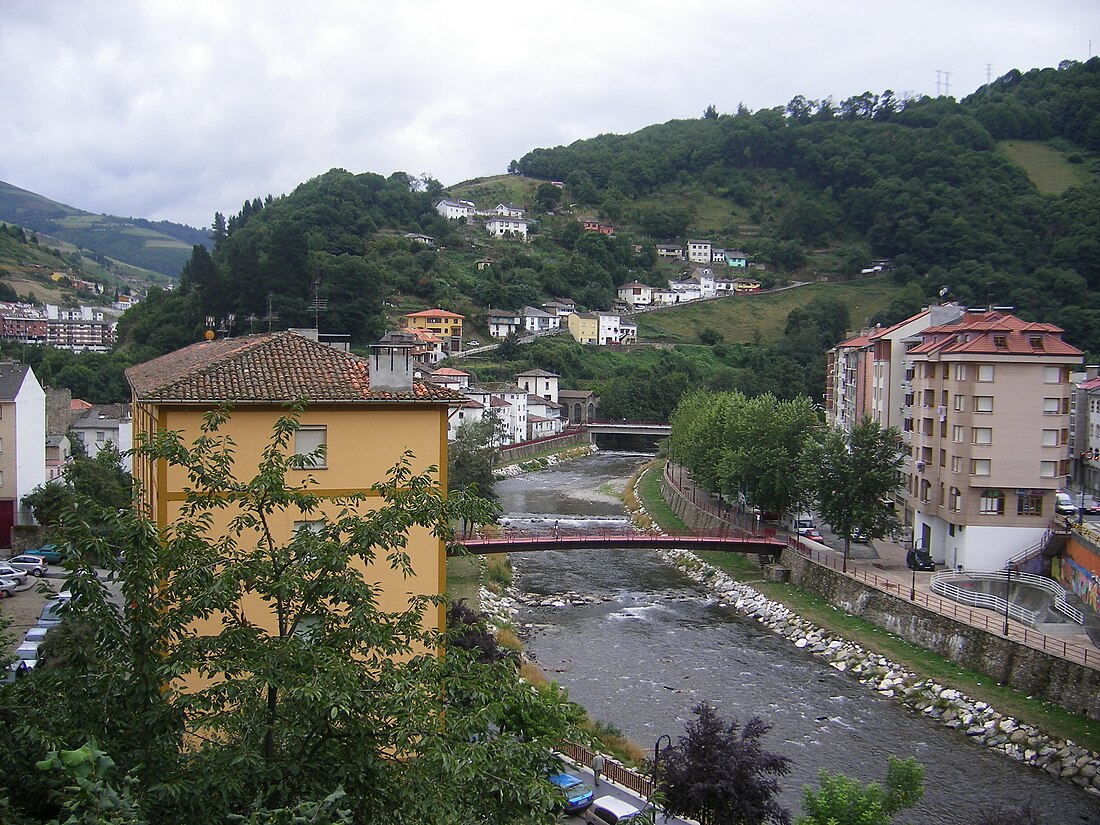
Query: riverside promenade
[881, 565]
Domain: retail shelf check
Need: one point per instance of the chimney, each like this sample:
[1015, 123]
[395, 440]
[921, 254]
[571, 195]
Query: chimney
[391, 366]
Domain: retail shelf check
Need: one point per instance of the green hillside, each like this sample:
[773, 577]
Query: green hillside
[159, 246]
[762, 318]
[1051, 171]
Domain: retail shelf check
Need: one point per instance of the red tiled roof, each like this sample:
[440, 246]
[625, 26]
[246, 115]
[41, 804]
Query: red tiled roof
[273, 367]
[1091, 384]
[858, 341]
[977, 334]
[434, 313]
[449, 371]
[498, 402]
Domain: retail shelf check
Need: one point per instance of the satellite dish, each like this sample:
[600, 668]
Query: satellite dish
[943, 291]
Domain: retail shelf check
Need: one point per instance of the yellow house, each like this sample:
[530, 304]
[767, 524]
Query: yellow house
[366, 412]
[447, 325]
[584, 327]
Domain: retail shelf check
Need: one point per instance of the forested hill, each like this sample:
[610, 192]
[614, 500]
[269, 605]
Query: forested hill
[929, 183]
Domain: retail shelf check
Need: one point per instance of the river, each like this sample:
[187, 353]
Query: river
[654, 645]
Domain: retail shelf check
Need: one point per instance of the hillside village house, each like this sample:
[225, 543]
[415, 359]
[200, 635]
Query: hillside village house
[453, 210]
[699, 252]
[502, 323]
[636, 294]
[602, 329]
[673, 251]
[103, 424]
[506, 227]
[366, 412]
[22, 444]
[536, 320]
[446, 325]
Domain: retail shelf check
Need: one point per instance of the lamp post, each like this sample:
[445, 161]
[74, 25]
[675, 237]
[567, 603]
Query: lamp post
[1008, 584]
[657, 757]
[913, 587]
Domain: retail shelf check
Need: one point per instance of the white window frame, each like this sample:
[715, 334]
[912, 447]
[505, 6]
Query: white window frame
[985, 373]
[977, 465]
[1050, 438]
[1052, 406]
[304, 444]
[982, 436]
[1048, 469]
[980, 405]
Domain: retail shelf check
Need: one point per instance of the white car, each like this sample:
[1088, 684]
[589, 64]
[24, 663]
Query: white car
[8, 588]
[9, 572]
[32, 564]
[607, 810]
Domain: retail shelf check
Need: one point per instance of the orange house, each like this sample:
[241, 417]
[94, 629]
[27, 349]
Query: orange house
[447, 325]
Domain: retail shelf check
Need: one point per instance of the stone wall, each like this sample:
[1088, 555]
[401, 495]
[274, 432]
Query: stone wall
[694, 517]
[1072, 686]
[518, 452]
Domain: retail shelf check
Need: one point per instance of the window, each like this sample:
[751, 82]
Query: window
[1050, 438]
[925, 490]
[1, 478]
[982, 435]
[983, 403]
[1052, 375]
[1000, 341]
[100, 435]
[309, 439]
[960, 372]
[980, 466]
[957, 434]
[940, 500]
[943, 458]
[954, 500]
[1048, 469]
[956, 464]
[306, 627]
[960, 403]
[946, 375]
[928, 426]
[985, 372]
[992, 503]
[1052, 406]
[926, 455]
[1029, 506]
[1036, 341]
[929, 398]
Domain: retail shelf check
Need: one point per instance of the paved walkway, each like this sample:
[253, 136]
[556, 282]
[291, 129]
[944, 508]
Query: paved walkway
[881, 563]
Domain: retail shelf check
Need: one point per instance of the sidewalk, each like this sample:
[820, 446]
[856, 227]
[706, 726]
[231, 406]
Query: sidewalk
[881, 563]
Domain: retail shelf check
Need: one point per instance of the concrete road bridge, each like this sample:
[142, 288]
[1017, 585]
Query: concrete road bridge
[655, 429]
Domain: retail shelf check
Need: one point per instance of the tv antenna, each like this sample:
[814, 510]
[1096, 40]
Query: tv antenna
[317, 305]
[271, 316]
[252, 319]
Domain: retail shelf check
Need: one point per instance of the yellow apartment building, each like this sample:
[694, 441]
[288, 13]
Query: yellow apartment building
[366, 411]
[447, 325]
[584, 327]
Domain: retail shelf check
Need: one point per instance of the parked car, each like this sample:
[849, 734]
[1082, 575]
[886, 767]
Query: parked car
[9, 572]
[918, 559]
[859, 535]
[576, 795]
[607, 810]
[50, 553]
[51, 611]
[35, 634]
[1091, 506]
[26, 657]
[34, 565]
[8, 588]
[472, 344]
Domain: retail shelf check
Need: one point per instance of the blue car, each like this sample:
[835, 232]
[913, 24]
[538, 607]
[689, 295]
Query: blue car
[576, 795]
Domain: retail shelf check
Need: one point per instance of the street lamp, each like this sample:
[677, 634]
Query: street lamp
[657, 757]
[913, 587]
[1008, 583]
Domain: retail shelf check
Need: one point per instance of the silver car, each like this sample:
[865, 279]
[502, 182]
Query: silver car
[9, 572]
[32, 564]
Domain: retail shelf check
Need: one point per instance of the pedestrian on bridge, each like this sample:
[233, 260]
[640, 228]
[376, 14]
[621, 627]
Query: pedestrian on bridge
[597, 767]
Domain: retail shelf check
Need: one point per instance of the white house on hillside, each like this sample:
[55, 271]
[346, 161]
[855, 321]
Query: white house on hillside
[506, 227]
[453, 210]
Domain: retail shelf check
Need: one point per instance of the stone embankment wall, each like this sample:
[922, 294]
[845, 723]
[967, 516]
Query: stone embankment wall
[530, 448]
[1024, 743]
[1068, 684]
[691, 515]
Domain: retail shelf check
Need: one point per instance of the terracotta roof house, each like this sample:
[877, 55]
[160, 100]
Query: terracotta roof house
[365, 412]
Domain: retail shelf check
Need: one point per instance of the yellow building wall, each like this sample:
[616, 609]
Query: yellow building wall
[440, 325]
[583, 330]
[363, 441]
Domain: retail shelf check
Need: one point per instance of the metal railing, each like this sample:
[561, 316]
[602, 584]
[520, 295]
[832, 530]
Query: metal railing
[1029, 637]
[944, 583]
[640, 784]
[1025, 556]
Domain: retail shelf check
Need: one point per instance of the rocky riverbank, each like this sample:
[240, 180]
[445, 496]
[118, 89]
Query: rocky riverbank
[991, 729]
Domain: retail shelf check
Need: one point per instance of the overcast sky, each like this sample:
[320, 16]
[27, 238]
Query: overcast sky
[180, 108]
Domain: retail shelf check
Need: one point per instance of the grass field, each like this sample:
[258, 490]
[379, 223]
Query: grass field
[489, 191]
[1046, 167]
[762, 318]
[1053, 719]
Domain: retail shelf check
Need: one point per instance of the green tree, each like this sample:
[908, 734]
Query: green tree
[470, 457]
[718, 772]
[547, 196]
[852, 477]
[324, 692]
[840, 800]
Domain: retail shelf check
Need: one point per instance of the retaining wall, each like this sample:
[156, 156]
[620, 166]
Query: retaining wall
[518, 452]
[693, 516]
[1070, 685]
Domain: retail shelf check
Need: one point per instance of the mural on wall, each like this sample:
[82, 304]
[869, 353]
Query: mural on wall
[1078, 580]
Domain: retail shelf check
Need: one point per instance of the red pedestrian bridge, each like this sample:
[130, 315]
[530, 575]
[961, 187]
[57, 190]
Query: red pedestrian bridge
[756, 544]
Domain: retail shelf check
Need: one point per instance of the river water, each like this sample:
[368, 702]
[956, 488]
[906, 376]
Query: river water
[654, 645]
